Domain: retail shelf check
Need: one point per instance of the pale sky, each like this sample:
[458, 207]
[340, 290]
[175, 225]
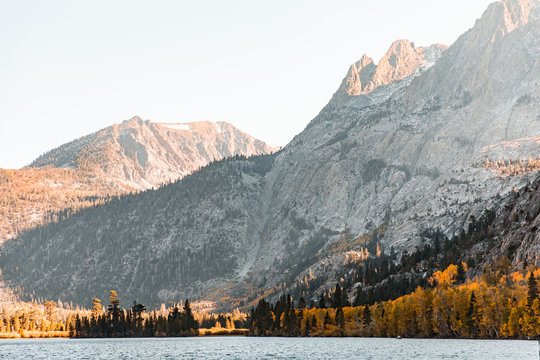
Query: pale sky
[69, 68]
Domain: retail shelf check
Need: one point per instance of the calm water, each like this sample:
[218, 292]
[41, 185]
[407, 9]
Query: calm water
[267, 348]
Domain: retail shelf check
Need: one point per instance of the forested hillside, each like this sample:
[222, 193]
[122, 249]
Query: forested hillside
[34, 197]
[500, 304]
[107, 246]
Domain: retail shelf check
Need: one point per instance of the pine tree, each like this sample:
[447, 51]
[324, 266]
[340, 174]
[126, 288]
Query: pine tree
[301, 304]
[307, 329]
[337, 300]
[470, 322]
[138, 310]
[460, 276]
[78, 326]
[327, 320]
[322, 302]
[533, 289]
[292, 325]
[366, 315]
[189, 322]
[114, 313]
[340, 318]
[173, 322]
[360, 297]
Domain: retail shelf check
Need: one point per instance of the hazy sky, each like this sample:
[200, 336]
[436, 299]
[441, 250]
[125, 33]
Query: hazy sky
[72, 67]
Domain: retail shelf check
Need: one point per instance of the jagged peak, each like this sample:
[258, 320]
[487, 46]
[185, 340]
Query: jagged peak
[134, 121]
[402, 59]
[505, 16]
[364, 61]
[477, 63]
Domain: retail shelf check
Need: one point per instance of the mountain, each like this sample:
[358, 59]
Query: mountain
[132, 156]
[401, 60]
[421, 143]
[141, 154]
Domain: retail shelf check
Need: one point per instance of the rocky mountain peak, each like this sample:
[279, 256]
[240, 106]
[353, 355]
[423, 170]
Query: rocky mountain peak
[134, 121]
[499, 52]
[142, 154]
[505, 16]
[401, 60]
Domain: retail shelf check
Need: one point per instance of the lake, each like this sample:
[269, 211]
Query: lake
[267, 348]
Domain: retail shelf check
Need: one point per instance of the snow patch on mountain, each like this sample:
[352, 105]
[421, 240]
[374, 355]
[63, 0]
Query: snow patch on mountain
[183, 127]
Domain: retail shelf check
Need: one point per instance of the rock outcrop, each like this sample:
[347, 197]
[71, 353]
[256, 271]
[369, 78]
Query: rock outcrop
[401, 60]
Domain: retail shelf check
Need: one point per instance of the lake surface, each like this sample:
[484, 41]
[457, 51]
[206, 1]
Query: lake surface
[267, 348]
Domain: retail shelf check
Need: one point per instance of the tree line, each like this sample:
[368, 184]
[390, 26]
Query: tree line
[134, 322]
[381, 275]
[498, 304]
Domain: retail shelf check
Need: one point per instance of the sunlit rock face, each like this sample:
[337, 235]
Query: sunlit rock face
[142, 154]
[401, 60]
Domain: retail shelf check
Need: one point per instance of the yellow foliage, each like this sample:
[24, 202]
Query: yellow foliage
[497, 310]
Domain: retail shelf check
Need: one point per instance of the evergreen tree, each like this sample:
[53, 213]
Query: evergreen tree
[307, 328]
[292, 326]
[327, 320]
[460, 276]
[173, 322]
[340, 318]
[470, 321]
[366, 315]
[137, 310]
[301, 304]
[532, 293]
[337, 299]
[114, 313]
[322, 302]
[78, 326]
[189, 322]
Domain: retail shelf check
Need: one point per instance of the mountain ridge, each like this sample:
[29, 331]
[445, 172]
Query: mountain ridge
[383, 168]
[142, 154]
[401, 60]
[123, 158]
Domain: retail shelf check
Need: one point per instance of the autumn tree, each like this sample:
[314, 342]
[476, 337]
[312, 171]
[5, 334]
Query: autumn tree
[97, 308]
[50, 306]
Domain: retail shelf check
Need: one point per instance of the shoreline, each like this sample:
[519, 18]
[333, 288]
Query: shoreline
[206, 334]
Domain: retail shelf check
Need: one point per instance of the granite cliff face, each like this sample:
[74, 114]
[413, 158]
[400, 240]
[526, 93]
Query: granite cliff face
[141, 154]
[408, 160]
[403, 146]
